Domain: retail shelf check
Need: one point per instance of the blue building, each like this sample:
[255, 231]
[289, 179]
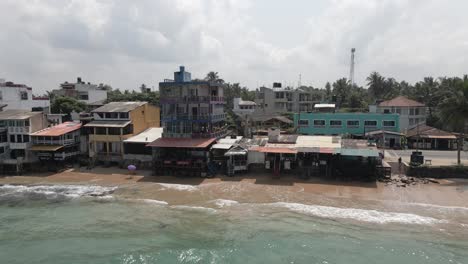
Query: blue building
[357, 124]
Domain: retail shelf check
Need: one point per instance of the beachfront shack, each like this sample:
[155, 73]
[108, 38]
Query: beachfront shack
[219, 150]
[136, 151]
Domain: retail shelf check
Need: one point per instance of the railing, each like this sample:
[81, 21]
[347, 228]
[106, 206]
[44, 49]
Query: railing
[18, 129]
[206, 117]
[192, 99]
[64, 142]
[20, 145]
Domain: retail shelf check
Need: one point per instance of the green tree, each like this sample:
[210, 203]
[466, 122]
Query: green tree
[454, 109]
[66, 105]
[328, 92]
[341, 89]
[213, 77]
[375, 83]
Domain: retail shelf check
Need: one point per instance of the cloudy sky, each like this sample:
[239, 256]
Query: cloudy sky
[125, 43]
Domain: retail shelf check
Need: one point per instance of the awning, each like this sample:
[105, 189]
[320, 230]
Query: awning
[181, 142]
[107, 123]
[437, 136]
[275, 150]
[46, 147]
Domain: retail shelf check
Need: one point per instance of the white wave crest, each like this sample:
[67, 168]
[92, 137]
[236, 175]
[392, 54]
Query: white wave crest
[151, 201]
[53, 191]
[372, 216]
[179, 187]
[194, 208]
[223, 202]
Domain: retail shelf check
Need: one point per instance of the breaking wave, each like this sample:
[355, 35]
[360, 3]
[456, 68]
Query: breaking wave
[220, 203]
[179, 187]
[372, 216]
[194, 208]
[151, 201]
[54, 191]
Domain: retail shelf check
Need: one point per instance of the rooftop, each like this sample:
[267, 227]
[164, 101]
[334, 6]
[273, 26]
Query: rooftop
[147, 136]
[247, 103]
[118, 107]
[17, 114]
[425, 131]
[58, 130]
[324, 106]
[182, 142]
[401, 101]
[108, 123]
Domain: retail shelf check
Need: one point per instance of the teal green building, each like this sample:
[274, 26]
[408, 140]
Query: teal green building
[345, 123]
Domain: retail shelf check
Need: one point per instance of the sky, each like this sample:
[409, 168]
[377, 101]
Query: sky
[253, 42]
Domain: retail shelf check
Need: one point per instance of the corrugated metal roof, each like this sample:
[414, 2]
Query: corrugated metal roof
[13, 114]
[274, 150]
[58, 130]
[360, 152]
[46, 147]
[147, 136]
[182, 142]
[221, 146]
[118, 107]
[107, 123]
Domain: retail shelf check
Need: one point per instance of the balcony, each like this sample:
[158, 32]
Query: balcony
[192, 99]
[194, 118]
[57, 156]
[20, 145]
[65, 142]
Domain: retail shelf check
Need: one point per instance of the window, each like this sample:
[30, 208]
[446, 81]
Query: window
[416, 111]
[26, 122]
[398, 111]
[2, 150]
[26, 138]
[335, 123]
[304, 122]
[411, 121]
[114, 130]
[319, 123]
[352, 123]
[101, 131]
[19, 139]
[2, 123]
[12, 138]
[24, 95]
[1, 96]
[123, 115]
[386, 111]
[411, 111]
[388, 123]
[279, 95]
[84, 97]
[370, 123]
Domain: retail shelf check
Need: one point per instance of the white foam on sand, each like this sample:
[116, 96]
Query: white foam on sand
[179, 187]
[224, 203]
[194, 208]
[372, 216]
[53, 191]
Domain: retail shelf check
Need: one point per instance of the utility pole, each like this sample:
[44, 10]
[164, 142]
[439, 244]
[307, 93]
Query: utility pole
[351, 70]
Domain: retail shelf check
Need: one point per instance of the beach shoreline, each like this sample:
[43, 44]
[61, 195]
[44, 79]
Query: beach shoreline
[251, 188]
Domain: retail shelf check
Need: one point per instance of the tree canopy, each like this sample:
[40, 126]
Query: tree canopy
[66, 105]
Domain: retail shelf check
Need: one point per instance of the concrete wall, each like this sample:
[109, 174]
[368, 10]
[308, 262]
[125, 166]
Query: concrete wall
[12, 97]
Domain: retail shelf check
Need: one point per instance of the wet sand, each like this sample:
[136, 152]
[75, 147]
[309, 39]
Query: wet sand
[254, 188]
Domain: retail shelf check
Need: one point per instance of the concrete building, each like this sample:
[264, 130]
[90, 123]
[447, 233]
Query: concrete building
[357, 124]
[243, 108]
[137, 152]
[282, 100]
[20, 97]
[57, 143]
[192, 109]
[114, 123]
[426, 137]
[411, 112]
[89, 93]
[15, 143]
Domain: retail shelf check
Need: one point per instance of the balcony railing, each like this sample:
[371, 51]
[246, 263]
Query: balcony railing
[200, 117]
[192, 99]
[18, 129]
[20, 145]
[65, 142]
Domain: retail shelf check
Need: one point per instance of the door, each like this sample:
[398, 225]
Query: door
[392, 143]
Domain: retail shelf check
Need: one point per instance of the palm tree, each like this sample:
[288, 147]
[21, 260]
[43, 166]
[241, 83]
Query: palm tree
[375, 81]
[454, 109]
[213, 77]
[341, 89]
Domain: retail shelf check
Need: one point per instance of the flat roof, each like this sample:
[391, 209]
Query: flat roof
[13, 114]
[222, 146]
[118, 107]
[107, 123]
[277, 150]
[147, 136]
[58, 130]
[182, 142]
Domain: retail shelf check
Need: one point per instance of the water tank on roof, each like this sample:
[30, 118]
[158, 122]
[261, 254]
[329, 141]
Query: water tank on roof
[276, 85]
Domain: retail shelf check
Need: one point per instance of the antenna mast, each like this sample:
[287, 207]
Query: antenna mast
[351, 71]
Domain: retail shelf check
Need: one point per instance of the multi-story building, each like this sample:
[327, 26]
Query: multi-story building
[192, 109]
[193, 118]
[16, 126]
[57, 143]
[243, 108]
[115, 122]
[86, 92]
[411, 112]
[357, 124]
[20, 97]
[281, 100]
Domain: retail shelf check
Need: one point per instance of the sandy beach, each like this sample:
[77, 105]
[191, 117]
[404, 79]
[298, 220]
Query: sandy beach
[254, 188]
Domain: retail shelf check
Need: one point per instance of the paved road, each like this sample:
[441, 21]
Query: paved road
[447, 156]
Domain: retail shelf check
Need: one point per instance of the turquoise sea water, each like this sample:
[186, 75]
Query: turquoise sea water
[69, 224]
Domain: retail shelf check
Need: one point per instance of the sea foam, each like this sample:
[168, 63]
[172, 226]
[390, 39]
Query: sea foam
[54, 191]
[224, 203]
[179, 187]
[194, 208]
[372, 216]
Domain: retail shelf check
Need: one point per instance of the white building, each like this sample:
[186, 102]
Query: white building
[19, 96]
[243, 108]
[85, 92]
[411, 112]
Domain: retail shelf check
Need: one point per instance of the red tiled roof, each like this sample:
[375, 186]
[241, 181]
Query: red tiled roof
[58, 130]
[182, 142]
[401, 101]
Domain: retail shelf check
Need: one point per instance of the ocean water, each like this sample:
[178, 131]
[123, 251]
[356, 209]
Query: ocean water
[91, 224]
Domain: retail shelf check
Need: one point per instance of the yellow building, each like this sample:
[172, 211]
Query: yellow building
[115, 122]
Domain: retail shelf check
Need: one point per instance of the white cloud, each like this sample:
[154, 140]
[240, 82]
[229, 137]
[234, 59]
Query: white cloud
[125, 43]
